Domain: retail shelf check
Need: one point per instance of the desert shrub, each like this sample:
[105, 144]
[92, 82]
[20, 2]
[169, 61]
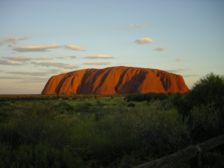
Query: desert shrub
[106, 132]
[38, 155]
[209, 89]
[146, 97]
[203, 107]
[37, 139]
[131, 105]
[134, 134]
[181, 104]
[111, 134]
[205, 122]
[64, 106]
[83, 106]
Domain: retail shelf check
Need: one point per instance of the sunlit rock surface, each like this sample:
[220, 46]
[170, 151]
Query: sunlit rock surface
[115, 80]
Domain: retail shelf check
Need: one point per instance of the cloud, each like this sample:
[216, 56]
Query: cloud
[160, 49]
[13, 60]
[10, 77]
[179, 70]
[10, 62]
[34, 73]
[28, 73]
[46, 47]
[18, 59]
[98, 56]
[54, 71]
[66, 57]
[138, 26]
[12, 40]
[44, 61]
[43, 58]
[97, 63]
[178, 60]
[191, 75]
[144, 40]
[71, 57]
[29, 48]
[54, 64]
[34, 80]
[74, 47]
[25, 80]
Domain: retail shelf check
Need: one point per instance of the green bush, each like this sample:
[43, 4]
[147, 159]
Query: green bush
[205, 122]
[108, 132]
[203, 107]
[32, 137]
[209, 90]
[146, 97]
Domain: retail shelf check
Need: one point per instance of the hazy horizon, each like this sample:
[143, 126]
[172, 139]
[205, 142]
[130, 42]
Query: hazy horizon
[41, 38]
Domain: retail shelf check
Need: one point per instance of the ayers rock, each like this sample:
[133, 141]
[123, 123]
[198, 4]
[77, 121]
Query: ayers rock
[115, 80]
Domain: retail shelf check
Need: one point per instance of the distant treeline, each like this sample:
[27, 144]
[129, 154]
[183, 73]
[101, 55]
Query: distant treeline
[146, 96]
[27, 97]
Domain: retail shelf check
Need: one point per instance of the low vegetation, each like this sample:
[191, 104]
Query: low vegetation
[110, 132]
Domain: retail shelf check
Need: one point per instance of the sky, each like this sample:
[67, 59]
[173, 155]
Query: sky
[42, 38]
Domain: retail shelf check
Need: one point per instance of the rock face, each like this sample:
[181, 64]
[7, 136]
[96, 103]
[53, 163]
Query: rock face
[115, 80]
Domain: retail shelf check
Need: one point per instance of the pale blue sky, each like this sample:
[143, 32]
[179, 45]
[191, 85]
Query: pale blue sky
[188, 33]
